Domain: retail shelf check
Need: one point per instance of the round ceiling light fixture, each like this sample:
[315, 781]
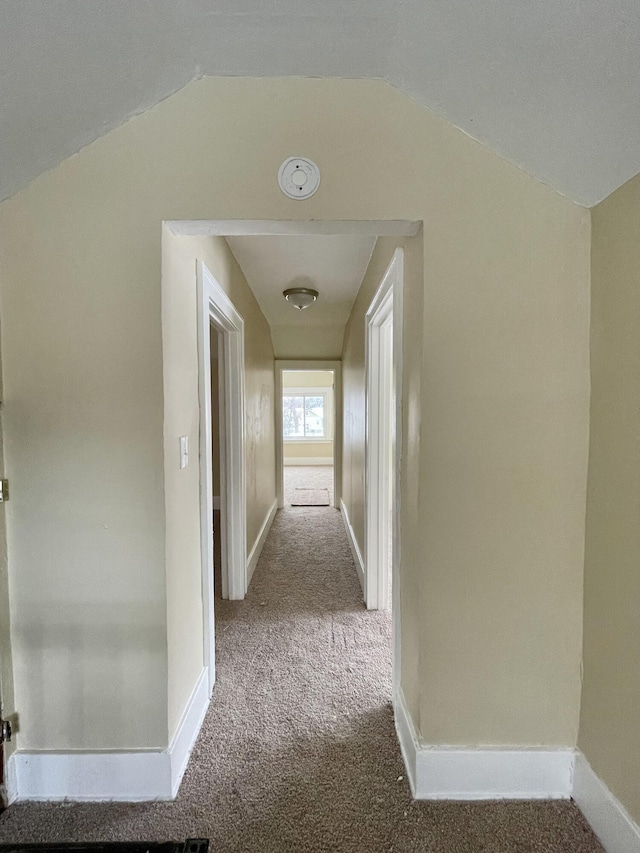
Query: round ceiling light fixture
[299, 177]
[301, 297]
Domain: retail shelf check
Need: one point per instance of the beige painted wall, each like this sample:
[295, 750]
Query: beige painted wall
[610, 718]
[300, 449]
[500, 418]
[307, 378]
[299, 342]
[7, 694]
[182, 414]
[182, 495]
[504, 395]
[83, 426]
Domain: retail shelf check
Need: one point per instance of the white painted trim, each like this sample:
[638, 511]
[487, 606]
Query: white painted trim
[215, 308]
[216, 502]
[10, 782]
[353, 544]
[386, 309]
[378, 440]
[188, 730]
[278, 386]
[301, 461]
[459, 773]
[92, 776]
[108, 776]
[407, 737]
[614, 826]
[254, 556]
[310, 364]
[275, 227]
[489, 774]
[396, 497]
[450, 773]
[308, 441]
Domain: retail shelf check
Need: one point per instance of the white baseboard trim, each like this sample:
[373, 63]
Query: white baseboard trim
[449, 773]
[130, 777]
[188, 730]
[616, 829]
[491, 774]
[308, 460]
[353, 544]
[407, 738]
[216, 502]
[458, 773]
[254, 556]
[92, 776]
[10, 782]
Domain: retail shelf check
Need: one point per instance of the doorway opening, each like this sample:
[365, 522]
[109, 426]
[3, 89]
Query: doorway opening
[308, 433]
[216, 341]
[240, 487]
[219, 322]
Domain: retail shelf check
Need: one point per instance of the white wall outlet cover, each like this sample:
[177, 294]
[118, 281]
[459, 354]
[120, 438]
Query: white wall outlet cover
[299, 177]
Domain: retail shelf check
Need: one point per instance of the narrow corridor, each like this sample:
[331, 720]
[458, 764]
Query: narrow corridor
[298, 752]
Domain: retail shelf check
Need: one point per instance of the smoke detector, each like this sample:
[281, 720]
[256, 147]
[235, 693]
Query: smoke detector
[299, 177]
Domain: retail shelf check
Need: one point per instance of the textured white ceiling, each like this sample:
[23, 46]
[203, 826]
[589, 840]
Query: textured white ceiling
[551, 85]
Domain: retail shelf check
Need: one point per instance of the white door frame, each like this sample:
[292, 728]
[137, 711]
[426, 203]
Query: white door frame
[215, 308]
[378, 432]
[384, 392]
[310, 364]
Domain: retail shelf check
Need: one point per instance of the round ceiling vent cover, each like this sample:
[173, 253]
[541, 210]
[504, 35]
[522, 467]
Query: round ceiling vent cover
[299, 177]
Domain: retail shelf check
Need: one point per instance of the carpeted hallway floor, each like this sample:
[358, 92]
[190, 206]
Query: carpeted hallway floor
[307, 477]
[298, 752]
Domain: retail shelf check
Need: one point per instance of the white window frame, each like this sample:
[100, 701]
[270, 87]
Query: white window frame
[324, 391]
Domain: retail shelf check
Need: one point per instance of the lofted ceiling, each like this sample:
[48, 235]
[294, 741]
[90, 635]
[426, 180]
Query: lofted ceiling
[551, 85]
[334, 265]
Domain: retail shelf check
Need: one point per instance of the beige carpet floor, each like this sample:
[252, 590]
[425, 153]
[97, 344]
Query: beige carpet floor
[298, 752]
[307, 477]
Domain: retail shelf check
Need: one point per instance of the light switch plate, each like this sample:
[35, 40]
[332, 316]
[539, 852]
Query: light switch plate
[184, 451]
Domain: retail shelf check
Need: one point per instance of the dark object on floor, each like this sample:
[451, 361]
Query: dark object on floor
[310, 497]
[191, 845]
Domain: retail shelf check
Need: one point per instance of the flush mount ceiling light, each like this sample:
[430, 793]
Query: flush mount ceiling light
[300, 297]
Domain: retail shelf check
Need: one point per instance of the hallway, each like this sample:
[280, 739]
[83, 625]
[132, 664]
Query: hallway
[298, 752]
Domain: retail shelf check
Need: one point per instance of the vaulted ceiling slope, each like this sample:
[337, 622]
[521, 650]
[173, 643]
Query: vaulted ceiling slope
[551, 85]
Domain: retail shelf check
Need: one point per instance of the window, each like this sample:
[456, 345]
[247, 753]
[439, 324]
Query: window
[305, 415]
